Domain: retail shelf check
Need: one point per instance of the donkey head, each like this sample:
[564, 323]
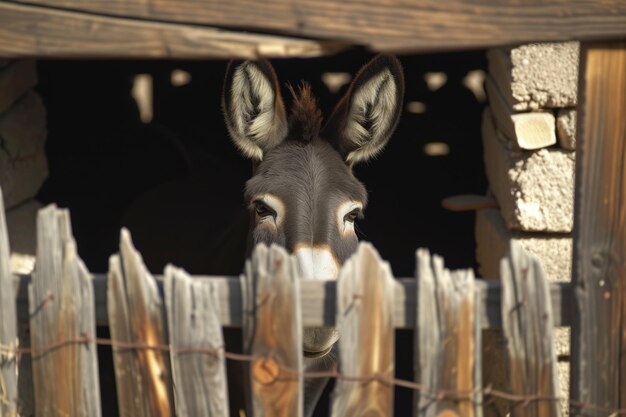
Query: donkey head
[303, 194]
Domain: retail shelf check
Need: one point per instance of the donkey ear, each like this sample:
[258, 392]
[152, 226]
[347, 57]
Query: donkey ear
[253, 108]
[367, 115]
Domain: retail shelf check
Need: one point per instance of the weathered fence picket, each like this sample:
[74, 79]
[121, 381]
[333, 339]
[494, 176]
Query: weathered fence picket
[366, 347]
[197, 346]
[8, 325]
[137, 318]
[184, 330]
[65, 369]
[528, 327]
[447, 344]
[273, 332]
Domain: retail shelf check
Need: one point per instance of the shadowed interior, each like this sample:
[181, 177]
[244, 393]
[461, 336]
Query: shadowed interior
[102, 157]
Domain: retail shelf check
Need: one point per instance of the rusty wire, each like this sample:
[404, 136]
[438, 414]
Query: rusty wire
[289, 374]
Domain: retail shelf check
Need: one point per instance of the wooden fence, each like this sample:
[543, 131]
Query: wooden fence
[167, 339]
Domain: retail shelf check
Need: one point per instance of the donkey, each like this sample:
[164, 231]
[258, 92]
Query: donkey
[303, 194]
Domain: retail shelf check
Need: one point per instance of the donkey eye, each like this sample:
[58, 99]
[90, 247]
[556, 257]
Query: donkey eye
[262, 209]
[353, 215]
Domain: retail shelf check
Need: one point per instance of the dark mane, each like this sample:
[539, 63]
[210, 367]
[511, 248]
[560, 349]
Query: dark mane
[305, 120]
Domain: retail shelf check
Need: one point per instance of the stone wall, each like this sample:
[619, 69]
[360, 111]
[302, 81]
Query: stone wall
[23, 163]
[528, 132]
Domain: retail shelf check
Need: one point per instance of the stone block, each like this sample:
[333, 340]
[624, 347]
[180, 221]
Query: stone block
[566, 128]
[536, 76]
[529, 130]
[23, 127]
[534, 189]
[493, 238]
[22, 227]
[22, 230]
[21, 179]
[15, 80]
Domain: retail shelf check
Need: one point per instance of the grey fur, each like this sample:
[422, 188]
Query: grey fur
[311, 172]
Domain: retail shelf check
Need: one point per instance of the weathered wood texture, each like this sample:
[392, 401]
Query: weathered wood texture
[447, 345]
[366, 346]
[599, 335]
[273, 332]
[62, 309]
[199, 376]
[31, 31]
[317, 311]
[528, 327]
[468, 202]
[8, 325]
[392, 26]
[137, 316]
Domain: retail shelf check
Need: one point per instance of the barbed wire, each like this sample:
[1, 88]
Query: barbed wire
[283, 373]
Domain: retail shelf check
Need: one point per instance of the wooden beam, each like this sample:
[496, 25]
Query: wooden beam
[599, 331]
[318, 301]
[35, 31]
[392, 25]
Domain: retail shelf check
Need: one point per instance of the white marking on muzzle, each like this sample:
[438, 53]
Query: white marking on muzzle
[316, 262]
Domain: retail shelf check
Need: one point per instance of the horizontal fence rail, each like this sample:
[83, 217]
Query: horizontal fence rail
[170, 357]
[318, 301]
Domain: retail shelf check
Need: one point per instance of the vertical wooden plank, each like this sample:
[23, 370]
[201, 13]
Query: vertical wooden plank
[126, 367]
[528, 323]
[599, 333]
[273, 332]
[137, 318]
[65, 369]
[199, 375]
[8, 325]
[447, 340]
[478, 398]
[366, 345]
